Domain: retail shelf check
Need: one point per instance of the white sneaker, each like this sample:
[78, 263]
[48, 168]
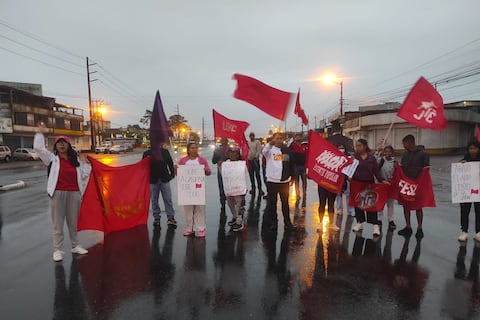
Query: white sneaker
[79, 250]
[376, 230]
[57, 255]
[477, 236]
[358, 227]
[463, 237]
[333, 227]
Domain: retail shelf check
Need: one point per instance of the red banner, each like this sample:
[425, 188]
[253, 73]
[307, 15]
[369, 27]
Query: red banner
[412, 194]
[268, 99]
[116, 198]
[299, 111]
[325, 163]
[368, 196]
[423, 107]
[232, 129]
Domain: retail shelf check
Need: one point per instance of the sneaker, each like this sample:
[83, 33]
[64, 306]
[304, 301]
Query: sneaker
[419, 234]
[392, 225]
[188, 233]
[79, 250]
[232, 222]
[376, 230]
[57, 255]
[156, 222]
[201, 234]
[237, 227]
[463, 237]
[358, 227]
[477, 236]
[171, 222]
[333, 227]
[407, 232]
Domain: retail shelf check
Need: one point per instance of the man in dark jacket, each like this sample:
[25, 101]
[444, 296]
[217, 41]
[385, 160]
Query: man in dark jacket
[161, 172]
[219, 156]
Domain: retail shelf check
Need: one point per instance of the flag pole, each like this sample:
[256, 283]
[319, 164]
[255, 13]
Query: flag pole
[387, 135]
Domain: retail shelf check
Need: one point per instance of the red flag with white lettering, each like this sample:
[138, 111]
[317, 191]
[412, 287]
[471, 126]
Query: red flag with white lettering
[232, 129]
[299, 111]
[116, 198]
[270, 100]
[325, 163]
[368, 196]
[413, 194]
[423, 107]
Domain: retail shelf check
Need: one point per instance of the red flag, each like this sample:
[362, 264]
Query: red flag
[325, 163]
[116, 198]
[412, 194]
[232, 129]
[299, 111]
[368, 196]
[423, 107]
[268, 99]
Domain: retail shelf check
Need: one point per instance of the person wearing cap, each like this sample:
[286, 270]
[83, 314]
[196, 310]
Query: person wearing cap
[67, 177]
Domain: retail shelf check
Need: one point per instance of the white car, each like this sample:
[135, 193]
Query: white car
[25, 154]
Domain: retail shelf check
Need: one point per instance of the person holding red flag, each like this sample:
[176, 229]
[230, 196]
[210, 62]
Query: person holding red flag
[473, 154]
[367, 171]
[413, 161]
[67, 176]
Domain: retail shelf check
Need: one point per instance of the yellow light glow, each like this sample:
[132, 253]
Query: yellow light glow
[325, 222]
[102, 110]
[330, 78]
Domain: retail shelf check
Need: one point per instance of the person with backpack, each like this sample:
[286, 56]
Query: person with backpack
[386, 163]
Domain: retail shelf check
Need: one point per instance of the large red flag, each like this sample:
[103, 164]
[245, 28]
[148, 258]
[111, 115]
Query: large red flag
[423, 107]
[299, 111]
[368, 196]
[412, 194]
[325, 163]
[232, 129]
[116, 198]
[268, 99]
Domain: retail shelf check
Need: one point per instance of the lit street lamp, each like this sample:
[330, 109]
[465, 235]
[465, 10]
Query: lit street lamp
[329, 79]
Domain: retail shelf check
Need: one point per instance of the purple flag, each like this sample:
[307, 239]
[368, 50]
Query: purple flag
[159, 130]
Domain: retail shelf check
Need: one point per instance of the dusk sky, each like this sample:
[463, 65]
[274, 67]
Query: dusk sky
[189, 50]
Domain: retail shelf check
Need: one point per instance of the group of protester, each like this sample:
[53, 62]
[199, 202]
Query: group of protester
[282, 166]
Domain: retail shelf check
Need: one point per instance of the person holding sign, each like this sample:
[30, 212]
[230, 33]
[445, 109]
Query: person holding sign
[367, 171]
[279, 177]
[235, 185]
[194, 213]
[473, 154]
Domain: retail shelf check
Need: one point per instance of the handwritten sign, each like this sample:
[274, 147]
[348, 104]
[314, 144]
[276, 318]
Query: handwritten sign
[191, 185]
[234, 178]
[465, 182]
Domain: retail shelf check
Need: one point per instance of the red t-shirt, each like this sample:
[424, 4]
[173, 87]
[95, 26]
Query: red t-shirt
[67, 177]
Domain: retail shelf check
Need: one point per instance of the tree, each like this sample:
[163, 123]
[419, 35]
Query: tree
[145, 120]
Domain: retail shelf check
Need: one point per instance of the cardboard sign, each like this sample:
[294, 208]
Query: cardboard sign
[191, 185]
[465, 182]
[234, 178]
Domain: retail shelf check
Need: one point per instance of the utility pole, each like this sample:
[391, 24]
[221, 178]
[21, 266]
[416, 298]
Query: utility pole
[178, 109]
[203, 128]
[90, 106]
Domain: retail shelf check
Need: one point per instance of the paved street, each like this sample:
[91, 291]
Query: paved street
[146, 274]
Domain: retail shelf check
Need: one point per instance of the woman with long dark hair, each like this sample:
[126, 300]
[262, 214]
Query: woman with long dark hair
[67, 176]
[367, 171]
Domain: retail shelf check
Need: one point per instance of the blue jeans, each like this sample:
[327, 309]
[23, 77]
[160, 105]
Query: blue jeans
[164, 188]
[298, 174]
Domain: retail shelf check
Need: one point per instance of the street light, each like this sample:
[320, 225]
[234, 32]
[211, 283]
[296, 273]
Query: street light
[329, 79]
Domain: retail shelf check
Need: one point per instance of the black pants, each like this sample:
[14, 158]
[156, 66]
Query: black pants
[275, 189]
[465, 212]
[326, 197]
[254, 173]
[372, 216]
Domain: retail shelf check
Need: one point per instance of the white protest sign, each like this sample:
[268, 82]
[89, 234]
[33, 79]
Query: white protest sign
[350, 169]
[465, 182]
[234, 178]
[191, 185]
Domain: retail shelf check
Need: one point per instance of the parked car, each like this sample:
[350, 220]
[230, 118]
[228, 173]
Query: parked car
[5, 154]
[25, 154]
[118, 149]
[103, 148]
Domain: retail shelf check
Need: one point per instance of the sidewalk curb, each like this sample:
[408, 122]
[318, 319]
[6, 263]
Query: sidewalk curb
[20, 184]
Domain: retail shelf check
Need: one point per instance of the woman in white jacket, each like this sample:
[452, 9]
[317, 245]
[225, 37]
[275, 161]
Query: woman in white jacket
[67, 176]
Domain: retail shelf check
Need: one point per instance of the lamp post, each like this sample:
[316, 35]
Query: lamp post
[328, 79]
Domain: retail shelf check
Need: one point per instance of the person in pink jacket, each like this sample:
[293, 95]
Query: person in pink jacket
[194, 214]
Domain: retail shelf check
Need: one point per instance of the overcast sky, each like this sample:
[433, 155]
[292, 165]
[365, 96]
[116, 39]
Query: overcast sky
[189, 50]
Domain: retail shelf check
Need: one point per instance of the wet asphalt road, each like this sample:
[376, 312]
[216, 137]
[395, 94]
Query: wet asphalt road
[159, 274]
